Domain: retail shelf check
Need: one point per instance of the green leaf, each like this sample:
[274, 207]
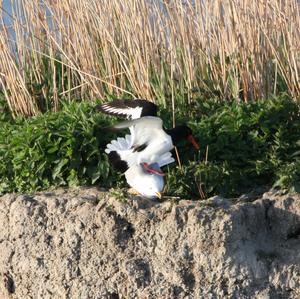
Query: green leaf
[58, 168]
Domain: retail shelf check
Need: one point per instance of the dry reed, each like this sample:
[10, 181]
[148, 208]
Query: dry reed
[164, 51]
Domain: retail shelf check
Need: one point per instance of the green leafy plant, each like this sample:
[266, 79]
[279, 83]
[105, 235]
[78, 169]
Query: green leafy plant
[54, 149]
[243, 145]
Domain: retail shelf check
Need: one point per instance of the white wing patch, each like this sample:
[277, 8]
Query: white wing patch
[132, 113]
[145, 122]
[165, 159]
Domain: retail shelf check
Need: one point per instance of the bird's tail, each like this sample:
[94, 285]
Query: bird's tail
[121, 144]
[122, 156]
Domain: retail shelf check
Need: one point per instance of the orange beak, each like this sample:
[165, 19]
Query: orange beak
[192, 140]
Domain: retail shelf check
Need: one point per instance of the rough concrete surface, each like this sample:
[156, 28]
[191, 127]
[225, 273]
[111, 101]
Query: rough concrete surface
[83, 243]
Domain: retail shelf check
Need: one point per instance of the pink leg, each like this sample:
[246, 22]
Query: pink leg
[150, 170]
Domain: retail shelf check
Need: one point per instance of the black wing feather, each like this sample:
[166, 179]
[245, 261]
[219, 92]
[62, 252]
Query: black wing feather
[139, 148]
[116, 162]
[148, 108]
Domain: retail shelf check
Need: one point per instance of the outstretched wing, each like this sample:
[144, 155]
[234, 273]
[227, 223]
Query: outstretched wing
[146, 122]
[130, 109]
[142, 129]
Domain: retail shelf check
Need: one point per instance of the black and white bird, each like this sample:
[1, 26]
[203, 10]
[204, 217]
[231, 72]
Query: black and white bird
[149, 139]
[148, 184]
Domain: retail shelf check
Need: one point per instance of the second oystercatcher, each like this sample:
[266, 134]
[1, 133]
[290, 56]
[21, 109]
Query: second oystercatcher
[149, 139]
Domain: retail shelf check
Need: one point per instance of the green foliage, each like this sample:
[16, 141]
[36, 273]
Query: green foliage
[247, 145]
[54, 149]
[242, 146]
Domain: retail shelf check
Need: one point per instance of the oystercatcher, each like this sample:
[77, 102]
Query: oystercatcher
[149, 139]
[148, 184]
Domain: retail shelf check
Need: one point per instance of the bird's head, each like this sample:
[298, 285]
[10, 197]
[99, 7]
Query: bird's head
[183, 132]
[152, 183]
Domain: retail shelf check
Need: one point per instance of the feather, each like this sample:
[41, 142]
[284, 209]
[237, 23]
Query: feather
[165, 159]
[130, 109]
[146, 121]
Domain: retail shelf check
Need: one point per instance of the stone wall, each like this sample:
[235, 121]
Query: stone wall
[82, 243]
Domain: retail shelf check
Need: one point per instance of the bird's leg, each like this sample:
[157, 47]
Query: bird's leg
[132, 191]
[151, 170]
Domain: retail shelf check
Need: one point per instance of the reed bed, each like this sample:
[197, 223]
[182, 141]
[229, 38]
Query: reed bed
[165, 51]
